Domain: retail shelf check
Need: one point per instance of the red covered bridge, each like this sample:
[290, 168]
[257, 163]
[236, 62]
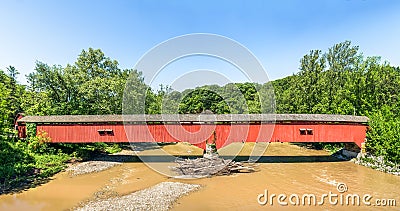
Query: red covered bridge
[197, 129]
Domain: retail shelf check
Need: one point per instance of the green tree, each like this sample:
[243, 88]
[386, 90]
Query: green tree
[10, 99]
[310, 83]
[93, 85]
[202, 99]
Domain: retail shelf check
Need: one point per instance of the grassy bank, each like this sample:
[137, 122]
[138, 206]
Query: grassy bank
[26, 163]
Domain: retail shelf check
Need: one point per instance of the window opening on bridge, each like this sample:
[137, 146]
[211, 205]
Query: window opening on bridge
[308, 131]
[106, 132]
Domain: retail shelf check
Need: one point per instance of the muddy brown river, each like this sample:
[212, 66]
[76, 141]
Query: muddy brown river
[287, 176]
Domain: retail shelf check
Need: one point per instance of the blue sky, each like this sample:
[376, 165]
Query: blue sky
[278, 33]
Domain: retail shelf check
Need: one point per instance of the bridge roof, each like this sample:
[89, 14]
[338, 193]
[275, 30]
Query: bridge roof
[196, 118]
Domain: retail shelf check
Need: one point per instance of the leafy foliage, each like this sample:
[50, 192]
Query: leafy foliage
[384, 134]
[93, 85]
[15, 162]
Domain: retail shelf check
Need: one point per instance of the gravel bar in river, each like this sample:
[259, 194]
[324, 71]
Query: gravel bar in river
[158, 197]
[100, 163]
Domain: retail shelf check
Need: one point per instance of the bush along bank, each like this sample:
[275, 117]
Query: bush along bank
[21, 167]
[383, 141]
[27, 163]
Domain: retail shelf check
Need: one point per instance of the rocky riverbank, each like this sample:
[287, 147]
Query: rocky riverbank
[369, 160]
[377, 163]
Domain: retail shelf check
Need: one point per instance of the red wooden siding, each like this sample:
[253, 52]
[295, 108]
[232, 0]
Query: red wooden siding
[21, 127]
[21, 131]
[197, 134]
